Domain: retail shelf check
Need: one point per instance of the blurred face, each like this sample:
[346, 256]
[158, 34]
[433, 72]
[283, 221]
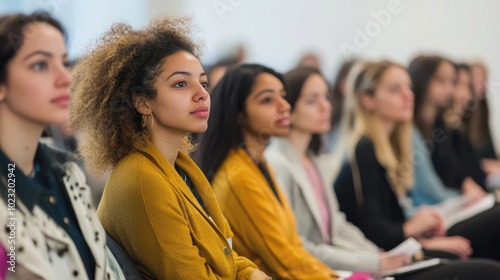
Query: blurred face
[216, 76]
[312, 110]
[267, 113]
[393, 97]
[441, 88]
[182, 102]
[38, 79]
[463, 91]
[479, 79]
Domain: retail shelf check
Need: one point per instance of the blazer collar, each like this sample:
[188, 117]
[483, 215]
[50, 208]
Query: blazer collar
[241, 154]
[197, 177]
[287, 150]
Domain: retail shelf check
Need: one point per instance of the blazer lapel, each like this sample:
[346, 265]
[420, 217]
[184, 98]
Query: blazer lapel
[205, 190]
[300, 175]
[325, 167]
[175, 179]
[92, 231]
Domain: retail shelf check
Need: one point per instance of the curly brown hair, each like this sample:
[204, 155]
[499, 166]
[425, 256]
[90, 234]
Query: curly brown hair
[124, 65]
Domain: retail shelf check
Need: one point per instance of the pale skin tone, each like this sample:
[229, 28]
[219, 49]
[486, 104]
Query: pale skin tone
[35, 94]
[441, 90]
[181, 106]
[266, 114]
[311, 115]
[480, 81]
[392, 103]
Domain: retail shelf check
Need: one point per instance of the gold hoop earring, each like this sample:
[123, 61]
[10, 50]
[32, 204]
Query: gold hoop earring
[152, 120]
[144, 122]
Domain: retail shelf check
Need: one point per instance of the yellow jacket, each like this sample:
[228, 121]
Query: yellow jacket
[151, 212]
[265, 230]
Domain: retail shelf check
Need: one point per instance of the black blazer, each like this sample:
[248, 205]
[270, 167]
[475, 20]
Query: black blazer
[379, 215]
[454, 159]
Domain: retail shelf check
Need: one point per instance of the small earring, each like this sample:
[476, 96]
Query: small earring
[144, 121]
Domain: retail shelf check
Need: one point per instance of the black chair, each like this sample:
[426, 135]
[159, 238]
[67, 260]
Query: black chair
[124, 260]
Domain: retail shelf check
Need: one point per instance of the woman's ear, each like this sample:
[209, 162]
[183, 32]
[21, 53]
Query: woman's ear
[242, 119]
[141, 105]
[3, 92]
[368, 102]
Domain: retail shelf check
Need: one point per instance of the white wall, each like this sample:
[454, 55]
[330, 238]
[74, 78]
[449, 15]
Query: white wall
[277, 32]
[84, 21]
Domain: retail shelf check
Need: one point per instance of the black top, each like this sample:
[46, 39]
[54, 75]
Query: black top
[191, 186]
[454, 159]
[47, 191]
[486, 151]
[379, 215]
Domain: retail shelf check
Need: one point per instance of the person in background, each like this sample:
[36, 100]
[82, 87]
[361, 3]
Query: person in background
[310, 59]
[478, 129]
[248, 108]
[135, 110]
[434, 80]
[306, 179]
[57, 234]
[337, 101]
[373, 183]
[428, 188]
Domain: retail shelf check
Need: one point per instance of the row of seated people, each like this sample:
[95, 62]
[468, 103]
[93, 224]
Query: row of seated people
[138, 95]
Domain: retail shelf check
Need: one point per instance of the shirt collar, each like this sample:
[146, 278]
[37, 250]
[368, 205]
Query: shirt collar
[27, 189]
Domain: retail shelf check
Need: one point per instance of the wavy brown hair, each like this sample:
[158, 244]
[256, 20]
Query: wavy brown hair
[123, 66]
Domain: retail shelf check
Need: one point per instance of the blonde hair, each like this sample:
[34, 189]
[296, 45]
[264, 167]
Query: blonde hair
[394, 153]
[124, 65]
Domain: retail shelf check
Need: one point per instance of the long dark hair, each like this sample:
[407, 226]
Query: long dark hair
[478, 124]
[468, 110]
[294, 82]
[228, 101]
[338, 97]
[12, 29]
[422, 69]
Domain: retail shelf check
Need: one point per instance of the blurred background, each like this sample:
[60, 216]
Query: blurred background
[279, 33]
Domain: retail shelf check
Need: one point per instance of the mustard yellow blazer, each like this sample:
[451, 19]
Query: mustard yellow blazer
[265, 229]
[147, 207]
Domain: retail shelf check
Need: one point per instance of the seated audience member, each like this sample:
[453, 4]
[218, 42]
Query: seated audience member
[479, 130]
[373, 183]
[306, 177]
[136, 109]
[248, 108]
[48, 220]
[434, 80]
[337, 101]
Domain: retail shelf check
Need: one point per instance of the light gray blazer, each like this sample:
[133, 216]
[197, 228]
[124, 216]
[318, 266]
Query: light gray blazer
[348, 248]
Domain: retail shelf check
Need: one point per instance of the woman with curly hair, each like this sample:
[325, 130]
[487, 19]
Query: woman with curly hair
[136, 97]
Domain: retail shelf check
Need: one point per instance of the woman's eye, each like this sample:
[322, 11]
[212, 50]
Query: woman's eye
[39, 66]
[267, 100]
[204, 85]
[311, 101]
[180, 84]
[67, 64]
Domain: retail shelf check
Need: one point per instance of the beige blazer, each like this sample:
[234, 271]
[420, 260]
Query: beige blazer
[347, 248]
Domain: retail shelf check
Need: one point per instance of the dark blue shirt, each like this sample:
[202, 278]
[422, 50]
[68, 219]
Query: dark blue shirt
[46, 189]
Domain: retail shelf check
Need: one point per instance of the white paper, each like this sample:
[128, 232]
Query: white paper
[412, 267]
[343, 274]
[493, 181]
[458, 209]
[408, 247]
